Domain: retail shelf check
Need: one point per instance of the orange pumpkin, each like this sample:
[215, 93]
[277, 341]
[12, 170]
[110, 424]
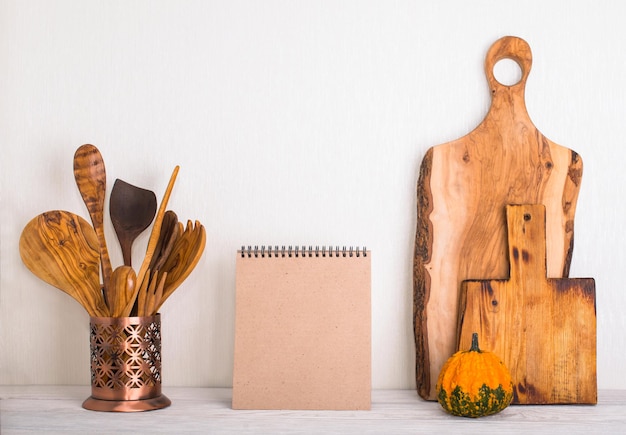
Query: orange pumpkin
[474, 383]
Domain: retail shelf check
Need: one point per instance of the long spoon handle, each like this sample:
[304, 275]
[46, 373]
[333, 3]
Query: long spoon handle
[90, 176]
[154, 235]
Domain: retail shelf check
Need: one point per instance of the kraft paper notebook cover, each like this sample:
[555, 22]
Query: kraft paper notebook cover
[302, 329]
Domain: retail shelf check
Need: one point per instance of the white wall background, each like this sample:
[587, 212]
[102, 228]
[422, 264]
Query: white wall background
[294, 123]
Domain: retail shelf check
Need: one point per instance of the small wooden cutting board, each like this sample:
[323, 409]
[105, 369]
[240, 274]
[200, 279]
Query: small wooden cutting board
[462, 191]
[544, 330]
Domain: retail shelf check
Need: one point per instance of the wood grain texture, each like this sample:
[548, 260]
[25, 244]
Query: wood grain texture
[154, 238]
[90, 176]
[132, 210]
[156, 228]
[122, 287]
[61, 248]
[543, 329]
[421, 279]
[183, 257]
[463, 188]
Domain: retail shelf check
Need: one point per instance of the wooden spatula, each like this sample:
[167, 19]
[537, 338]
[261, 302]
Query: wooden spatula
[132, 210]
[543, 329]
[462, 190]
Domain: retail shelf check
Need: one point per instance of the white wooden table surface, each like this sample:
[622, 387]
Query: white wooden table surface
[55, 409]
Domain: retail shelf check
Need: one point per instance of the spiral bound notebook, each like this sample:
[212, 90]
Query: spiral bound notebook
[302, 329]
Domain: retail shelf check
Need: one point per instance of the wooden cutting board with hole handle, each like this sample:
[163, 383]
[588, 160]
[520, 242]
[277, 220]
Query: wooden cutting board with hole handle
[462, 191]
[544, 330]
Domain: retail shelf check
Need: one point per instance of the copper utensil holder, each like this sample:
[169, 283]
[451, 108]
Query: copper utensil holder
[125, 364]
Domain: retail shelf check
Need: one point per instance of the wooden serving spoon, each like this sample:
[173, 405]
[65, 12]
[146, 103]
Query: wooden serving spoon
[123, 282]
[90, 176]
[61, 248]
[132, 210]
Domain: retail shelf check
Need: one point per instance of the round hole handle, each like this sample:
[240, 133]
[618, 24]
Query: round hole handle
[508, 47]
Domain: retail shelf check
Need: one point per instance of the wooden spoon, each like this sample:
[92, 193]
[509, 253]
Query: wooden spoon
[90, 176]
[61, 248]
[132, 210]
[123, 281]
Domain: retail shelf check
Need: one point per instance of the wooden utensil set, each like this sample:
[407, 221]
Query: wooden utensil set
[495, 221]
[64, 250]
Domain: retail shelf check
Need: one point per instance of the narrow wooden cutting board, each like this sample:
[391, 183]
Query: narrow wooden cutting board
[544, 330]
[462, 191]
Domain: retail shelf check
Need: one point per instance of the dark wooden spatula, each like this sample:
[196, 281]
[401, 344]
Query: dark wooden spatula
[132, 210]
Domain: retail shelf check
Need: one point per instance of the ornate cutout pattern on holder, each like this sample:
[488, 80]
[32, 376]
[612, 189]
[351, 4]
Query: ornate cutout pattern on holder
[125, 355]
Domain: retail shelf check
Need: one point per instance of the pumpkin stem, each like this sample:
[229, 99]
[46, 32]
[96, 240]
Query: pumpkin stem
[475, 347]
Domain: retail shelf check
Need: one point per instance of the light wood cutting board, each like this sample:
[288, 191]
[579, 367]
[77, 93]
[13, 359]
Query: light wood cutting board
[544, 330]
[462, 191]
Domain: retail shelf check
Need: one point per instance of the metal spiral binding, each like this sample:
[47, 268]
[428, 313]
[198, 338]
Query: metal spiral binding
[301, 251]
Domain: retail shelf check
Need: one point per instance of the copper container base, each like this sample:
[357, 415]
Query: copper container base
[94, 404]
[125, 364]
